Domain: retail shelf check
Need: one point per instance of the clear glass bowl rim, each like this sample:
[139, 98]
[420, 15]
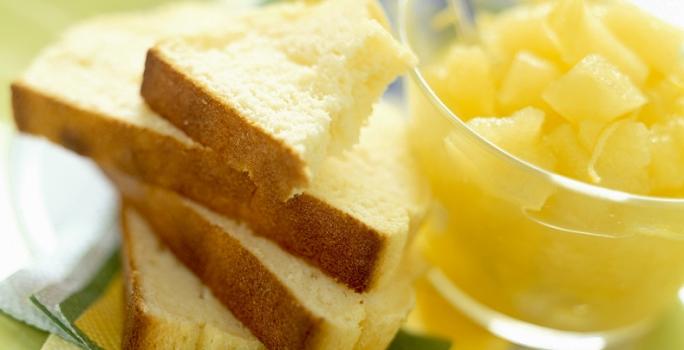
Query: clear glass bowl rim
[557, 179]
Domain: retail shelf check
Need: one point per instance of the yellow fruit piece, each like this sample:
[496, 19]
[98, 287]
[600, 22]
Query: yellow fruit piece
[658, 43]
[664, 100]
[573, 159]
[588, 132]
[519, 134]
[520, 29]
[622, 157]
[667, 164]
[578, 33]
[464, 82]
[527, 78]
[594, 89]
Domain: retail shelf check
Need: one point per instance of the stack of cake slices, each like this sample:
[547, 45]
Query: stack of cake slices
[268, 195]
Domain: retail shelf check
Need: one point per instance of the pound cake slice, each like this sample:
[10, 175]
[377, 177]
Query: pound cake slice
[286, 303]
[167, 307]
[280, 98]
[83, 93]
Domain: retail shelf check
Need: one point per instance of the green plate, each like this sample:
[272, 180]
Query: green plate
[17, 335]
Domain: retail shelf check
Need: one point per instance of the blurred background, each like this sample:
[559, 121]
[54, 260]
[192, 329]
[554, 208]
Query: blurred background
[28, 25]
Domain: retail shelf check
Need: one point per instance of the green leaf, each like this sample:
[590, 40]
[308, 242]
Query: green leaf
[76, 304]
[409, 341]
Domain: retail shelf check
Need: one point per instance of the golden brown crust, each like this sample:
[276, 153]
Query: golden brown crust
[237, 278]
[137, 322]
[195, 172]
[337, 243]
[333, 240]
[272, 165]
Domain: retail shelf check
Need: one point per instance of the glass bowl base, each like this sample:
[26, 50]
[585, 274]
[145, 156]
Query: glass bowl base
[530, 335]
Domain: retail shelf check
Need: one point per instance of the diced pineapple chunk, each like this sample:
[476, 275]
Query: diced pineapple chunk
[667, 164]
[573, 159]
[525, 82]
[464, 82]
[578, 33]
[519, 134]
[520, 29]
[594, 89]
[664, 98]
[522, 128]
[658, 43]
[588, 132]
[622, 157]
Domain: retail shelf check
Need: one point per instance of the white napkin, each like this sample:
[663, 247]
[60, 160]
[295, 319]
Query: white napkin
[57, 227]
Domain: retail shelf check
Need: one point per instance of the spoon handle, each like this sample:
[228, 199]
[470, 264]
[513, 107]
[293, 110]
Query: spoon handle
[465, 13]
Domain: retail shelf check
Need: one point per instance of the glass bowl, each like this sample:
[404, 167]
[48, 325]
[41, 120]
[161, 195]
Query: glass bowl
[538, 258]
